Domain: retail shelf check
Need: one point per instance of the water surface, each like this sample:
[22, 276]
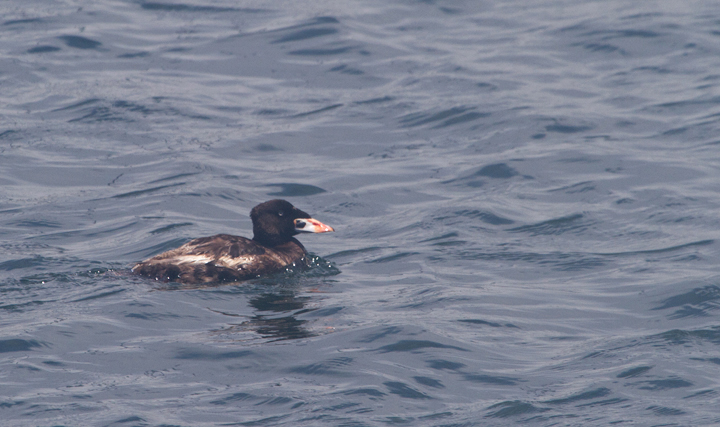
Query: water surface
[525, 199]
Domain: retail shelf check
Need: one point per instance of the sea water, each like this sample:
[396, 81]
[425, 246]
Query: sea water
[525, 197]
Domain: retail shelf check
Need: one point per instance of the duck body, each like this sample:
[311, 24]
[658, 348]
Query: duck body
[228, 258]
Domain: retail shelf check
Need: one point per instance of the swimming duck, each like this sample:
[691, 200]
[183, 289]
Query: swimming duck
[228, 258]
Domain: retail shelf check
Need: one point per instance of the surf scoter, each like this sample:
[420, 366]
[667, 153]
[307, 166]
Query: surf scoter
[226, 258]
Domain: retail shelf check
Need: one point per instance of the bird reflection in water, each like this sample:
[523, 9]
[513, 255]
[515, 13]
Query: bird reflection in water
[284, 327]
[275, 318]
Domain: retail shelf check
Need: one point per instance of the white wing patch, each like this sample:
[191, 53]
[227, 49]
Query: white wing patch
[191, 259]
[224, 261]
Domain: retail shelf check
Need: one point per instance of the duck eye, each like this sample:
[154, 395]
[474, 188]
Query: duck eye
[280, 213]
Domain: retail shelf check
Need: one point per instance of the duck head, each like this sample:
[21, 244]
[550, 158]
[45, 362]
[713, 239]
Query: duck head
[277, 221]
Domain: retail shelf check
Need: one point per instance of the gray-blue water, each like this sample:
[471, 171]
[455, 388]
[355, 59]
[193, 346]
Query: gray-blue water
[526, 197]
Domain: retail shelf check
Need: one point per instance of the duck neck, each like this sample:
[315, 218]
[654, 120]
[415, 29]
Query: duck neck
[269, 240]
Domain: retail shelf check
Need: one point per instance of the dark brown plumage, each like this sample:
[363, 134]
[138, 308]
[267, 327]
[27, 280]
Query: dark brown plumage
[227, 258]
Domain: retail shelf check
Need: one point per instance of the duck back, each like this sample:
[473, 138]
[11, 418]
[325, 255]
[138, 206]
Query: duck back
[221, 258]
